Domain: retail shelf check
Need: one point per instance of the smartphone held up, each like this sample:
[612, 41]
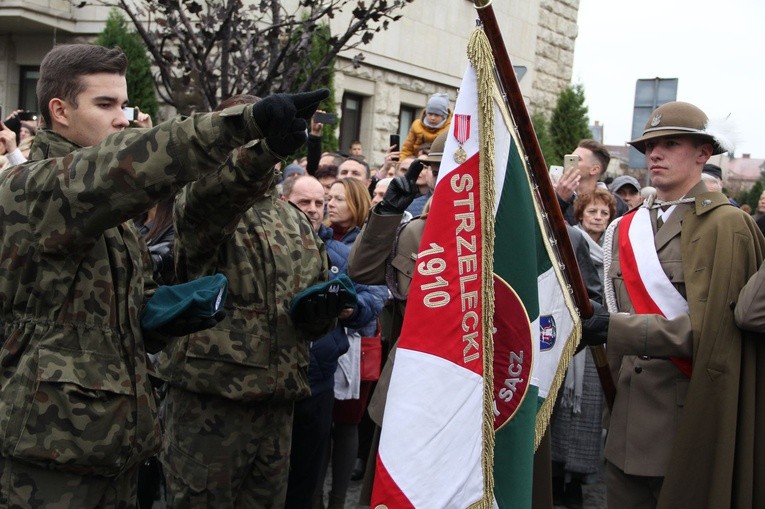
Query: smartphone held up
[324, 118]
[570, 161]
[395, 144]
[556, 172]
[129, 113]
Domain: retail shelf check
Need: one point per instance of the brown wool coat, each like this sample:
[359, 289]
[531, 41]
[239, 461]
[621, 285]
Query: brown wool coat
[367, 264]
[721, 438]
[717, 457]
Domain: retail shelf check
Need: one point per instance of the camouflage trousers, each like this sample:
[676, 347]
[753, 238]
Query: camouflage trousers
[28, 486]
[222, 453]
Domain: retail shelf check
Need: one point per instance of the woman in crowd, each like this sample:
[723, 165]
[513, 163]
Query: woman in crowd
[594, 212]
[576, 428]
[156, 228]
[347, 210]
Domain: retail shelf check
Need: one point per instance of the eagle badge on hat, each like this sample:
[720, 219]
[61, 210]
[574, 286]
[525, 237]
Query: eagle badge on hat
[656, 120]
[461, 133]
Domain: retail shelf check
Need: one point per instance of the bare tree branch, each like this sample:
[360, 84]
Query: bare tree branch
[205, 51]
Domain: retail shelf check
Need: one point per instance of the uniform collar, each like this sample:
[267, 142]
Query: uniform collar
[48, 144]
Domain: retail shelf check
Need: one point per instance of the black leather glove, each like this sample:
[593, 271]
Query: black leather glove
[401, 192]
[183, 326]
[285, 144]
[595, 328]
[274, 115]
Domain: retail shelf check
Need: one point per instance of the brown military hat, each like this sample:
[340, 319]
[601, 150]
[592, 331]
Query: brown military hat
[437, 148]
[679, 118]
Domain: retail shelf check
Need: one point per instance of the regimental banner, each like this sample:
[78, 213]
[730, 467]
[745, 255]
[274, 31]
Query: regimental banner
[435, 406]
[488, 328]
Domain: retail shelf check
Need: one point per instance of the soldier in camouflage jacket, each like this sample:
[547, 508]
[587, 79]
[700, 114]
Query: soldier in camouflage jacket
[232, 387]
[77, 413]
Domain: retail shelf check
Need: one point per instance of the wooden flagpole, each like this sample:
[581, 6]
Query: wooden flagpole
[540, 175]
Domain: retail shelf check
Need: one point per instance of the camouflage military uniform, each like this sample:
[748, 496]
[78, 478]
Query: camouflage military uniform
[75, 402]
[229, 409]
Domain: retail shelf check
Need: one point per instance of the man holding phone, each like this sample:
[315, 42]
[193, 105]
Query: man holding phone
[392, 165]
[581, 171]
[11, 137]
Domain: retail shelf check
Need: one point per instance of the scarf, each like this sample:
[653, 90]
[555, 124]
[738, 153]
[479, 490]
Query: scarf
[572, 386]
[596, 251]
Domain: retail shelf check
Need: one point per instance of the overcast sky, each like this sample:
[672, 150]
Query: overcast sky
[715, 48]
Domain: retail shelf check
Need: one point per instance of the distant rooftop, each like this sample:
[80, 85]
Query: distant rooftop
[745, 168]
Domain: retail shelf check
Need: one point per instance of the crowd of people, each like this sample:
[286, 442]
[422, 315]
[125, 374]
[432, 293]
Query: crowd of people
[251, 393]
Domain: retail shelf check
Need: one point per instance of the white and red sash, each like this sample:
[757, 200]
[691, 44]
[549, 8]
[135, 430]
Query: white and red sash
[649, 288]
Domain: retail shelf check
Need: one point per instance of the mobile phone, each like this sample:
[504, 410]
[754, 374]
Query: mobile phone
[324, 118]
[27, 115]
[570, 160]
[1, 113]
[556, 172]
[129, 113]
[395, 143]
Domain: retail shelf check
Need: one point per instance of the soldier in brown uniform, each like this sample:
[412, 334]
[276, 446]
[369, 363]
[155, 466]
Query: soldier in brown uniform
[77, 412]
[685, 428]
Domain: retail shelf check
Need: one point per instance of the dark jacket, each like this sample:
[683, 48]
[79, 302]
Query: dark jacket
[161, 251]
[326, 350]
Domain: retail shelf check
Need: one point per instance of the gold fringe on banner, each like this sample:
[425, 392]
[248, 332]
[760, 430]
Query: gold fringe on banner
[480, 56]
[545, 411]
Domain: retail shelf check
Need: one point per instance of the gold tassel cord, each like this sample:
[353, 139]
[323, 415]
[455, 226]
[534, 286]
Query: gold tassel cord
[480, 56]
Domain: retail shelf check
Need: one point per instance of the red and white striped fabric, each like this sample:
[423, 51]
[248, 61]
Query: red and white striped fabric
[649, 288]
[431, 446]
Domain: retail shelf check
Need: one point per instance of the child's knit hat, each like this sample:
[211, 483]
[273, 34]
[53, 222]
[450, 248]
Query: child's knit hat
[438, 104]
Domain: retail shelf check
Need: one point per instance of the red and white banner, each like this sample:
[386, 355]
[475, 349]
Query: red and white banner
[431, 446]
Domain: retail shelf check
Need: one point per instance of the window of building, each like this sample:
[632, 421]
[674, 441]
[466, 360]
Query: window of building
[28, 88]
[406, 115]
[350, 120]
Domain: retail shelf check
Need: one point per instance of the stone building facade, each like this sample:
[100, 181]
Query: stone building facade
[420, 54]
[554, 55]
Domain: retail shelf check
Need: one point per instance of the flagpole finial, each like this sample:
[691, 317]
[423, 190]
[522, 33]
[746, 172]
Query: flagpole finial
[482, 4]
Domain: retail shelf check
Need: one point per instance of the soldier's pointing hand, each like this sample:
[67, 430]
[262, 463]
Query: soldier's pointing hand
[282, 119]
